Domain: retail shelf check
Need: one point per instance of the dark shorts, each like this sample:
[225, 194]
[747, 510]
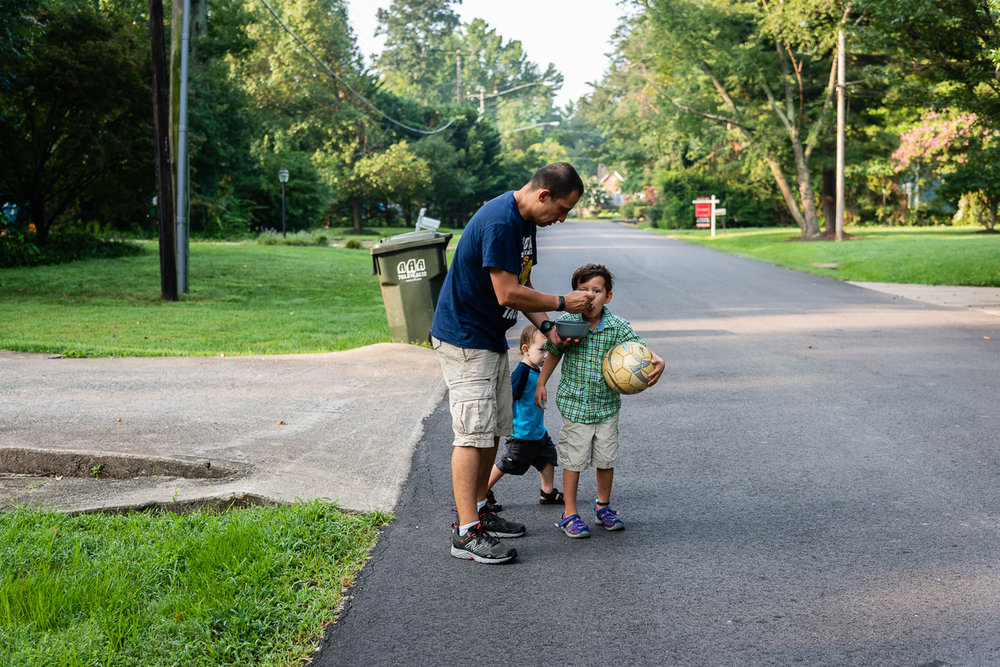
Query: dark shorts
[517, 455]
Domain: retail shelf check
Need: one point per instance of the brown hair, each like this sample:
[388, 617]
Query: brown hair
[588, 271]
[559, 178]
[528, 334]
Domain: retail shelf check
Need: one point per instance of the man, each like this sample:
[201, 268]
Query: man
[488, 283]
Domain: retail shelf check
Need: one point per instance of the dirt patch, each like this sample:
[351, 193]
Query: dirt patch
[39, 462]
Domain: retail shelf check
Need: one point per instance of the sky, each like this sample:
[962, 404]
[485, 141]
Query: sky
[572, 34]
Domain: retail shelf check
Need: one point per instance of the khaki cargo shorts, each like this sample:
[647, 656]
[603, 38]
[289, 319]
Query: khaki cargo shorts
[585, 445]
[479, 393]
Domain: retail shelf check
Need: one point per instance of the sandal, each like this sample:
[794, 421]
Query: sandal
[553, 497]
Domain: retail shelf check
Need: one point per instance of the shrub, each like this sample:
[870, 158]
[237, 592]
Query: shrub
[60, 247]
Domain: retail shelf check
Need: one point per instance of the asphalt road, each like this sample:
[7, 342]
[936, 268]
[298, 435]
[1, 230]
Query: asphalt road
[815, 480]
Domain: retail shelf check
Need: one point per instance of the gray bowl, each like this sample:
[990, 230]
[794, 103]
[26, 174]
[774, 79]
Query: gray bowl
[573, 328]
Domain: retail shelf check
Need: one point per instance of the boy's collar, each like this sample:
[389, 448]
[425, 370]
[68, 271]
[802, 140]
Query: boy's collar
[600, 325]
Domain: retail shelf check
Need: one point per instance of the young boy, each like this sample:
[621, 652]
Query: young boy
[589, 407]
[530, 445]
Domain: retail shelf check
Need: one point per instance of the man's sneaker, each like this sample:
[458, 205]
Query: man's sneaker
[479, 546]
[574, 526]
[553, 497]
[498, 527]
[608, 518]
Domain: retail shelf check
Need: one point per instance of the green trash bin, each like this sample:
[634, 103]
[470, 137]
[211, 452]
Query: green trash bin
[411, 269]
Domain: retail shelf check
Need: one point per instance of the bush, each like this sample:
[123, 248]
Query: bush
[60, 247]
[304, 238]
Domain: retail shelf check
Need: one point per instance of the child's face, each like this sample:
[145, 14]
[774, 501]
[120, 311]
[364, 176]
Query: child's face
[534, 354]
[602, 296]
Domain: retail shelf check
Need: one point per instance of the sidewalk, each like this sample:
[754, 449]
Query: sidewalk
[104, 434]
[980, 298]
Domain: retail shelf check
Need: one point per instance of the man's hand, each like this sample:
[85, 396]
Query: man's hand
[577, 301]
[558, 340]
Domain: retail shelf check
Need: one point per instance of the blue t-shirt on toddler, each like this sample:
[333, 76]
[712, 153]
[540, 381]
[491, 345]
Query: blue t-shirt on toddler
[529, 419]
[468, 314]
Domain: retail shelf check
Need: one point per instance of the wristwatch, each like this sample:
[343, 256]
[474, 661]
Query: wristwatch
[562, 303]
[546, 326]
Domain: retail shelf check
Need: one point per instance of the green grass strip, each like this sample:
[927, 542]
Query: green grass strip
[243, 299]
[250, 586]
[917, 255]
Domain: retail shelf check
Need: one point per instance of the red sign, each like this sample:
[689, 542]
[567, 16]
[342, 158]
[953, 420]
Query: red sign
[703, 210]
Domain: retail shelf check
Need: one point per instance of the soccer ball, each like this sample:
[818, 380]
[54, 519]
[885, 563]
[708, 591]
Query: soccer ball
[627, 366]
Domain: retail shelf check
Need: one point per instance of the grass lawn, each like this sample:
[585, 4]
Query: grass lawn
[253, 586]
[919, 255]
[243, 299]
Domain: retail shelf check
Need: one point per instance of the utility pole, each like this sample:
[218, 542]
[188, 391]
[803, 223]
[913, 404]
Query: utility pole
[182, 157]
[161, 132]
[841, 93]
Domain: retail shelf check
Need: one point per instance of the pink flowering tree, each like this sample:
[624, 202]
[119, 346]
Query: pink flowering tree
[960, 151]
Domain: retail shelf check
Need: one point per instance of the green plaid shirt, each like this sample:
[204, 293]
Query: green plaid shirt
[583, 395]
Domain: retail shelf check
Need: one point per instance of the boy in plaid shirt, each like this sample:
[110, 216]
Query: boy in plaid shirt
[589, 407]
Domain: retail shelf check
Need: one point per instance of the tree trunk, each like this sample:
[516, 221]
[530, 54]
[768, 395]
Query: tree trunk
[786, 194]
[357, 214]
[828, 196]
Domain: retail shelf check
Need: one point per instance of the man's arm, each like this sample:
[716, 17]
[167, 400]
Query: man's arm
[512, 294]
[534, 304]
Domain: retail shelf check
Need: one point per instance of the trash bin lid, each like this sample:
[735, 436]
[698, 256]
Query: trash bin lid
[410, 240]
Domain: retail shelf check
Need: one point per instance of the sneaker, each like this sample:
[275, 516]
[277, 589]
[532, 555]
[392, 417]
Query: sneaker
[608, 518]
[498, 527]
[479, 546]
[574, 526]
[553, 497]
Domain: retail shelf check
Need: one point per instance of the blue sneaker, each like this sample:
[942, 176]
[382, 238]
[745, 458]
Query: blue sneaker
[574, 526]
[608, 518]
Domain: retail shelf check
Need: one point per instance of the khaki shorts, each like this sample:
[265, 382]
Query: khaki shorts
[585, 445]
[482, 405]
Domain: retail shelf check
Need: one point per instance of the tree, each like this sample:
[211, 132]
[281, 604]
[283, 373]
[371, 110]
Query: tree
[414, 62]
[396, 175]
[959, 151]
[77, 123]
[943, 51]
[304, 110]
[761, 71]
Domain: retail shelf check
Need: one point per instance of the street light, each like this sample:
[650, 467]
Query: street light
[528, 127]
[283, 177]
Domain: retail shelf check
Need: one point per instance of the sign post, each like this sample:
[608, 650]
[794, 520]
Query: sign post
[705, 212]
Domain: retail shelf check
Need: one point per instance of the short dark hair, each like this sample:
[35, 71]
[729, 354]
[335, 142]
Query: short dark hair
[588, 271]
[559, 178]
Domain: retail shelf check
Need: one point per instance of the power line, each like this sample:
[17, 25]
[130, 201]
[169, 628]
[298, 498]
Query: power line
[347, 85]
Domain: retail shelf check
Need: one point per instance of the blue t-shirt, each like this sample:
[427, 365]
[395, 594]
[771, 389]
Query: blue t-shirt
[529, 419]
[468, 314]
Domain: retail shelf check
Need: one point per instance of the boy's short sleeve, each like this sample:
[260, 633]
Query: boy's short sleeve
[518, 380]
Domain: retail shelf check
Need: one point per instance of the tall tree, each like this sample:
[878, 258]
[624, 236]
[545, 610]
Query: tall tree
[762, 70]
[415, 59]
[307, 109]
[78, 116]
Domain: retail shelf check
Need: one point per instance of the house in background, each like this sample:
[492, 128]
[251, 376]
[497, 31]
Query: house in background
[611, 181]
